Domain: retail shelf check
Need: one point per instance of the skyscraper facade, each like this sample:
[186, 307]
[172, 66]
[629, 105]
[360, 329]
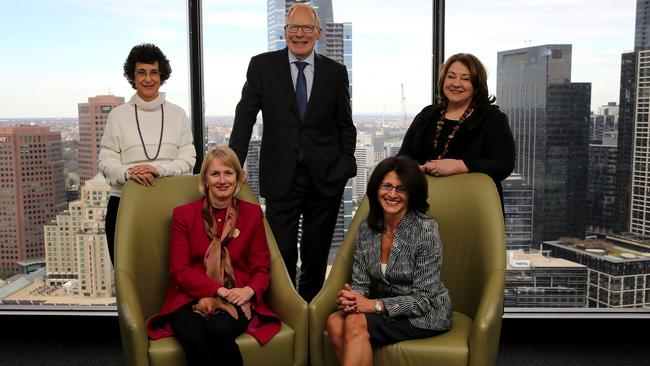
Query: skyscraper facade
[33, 190]
[76, 250]
[642, 25]
[625, 136]
[92, 119]
[640, 167]
[549, 118]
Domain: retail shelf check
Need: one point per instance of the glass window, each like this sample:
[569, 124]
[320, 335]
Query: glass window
[559, 70]
[61, 79]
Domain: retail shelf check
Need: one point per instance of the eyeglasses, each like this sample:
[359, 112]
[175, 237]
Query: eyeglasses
[389, 187]
[306, 28]
[144, 73]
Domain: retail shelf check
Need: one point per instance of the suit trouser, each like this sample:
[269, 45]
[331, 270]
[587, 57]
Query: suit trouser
[319, 215]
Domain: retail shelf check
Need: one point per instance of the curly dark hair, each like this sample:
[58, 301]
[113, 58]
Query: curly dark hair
[478, 76]
[412, 178]
[146, 53]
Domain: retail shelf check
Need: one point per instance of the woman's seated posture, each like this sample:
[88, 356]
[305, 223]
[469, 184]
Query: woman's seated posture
[219, 269]
[396, 292]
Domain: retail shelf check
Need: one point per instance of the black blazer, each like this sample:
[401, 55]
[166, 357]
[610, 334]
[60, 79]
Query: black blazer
[484, 141]
[327, 136]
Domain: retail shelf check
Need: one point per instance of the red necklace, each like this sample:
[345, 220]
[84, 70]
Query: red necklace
[450, 137]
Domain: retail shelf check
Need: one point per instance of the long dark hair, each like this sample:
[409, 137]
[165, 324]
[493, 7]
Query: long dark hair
[412, 179]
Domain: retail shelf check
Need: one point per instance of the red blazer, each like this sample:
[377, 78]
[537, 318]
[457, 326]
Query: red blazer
[249, 253]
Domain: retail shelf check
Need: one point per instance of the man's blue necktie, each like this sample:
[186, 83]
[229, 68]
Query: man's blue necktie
[301, 89]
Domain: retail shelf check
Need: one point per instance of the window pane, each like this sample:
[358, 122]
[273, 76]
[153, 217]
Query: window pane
[565, 73]
[61, 76]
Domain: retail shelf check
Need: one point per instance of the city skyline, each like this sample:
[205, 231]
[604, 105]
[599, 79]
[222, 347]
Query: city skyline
[398, 48]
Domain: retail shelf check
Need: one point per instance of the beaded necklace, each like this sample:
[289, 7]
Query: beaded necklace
[162, 127]
[440, 124]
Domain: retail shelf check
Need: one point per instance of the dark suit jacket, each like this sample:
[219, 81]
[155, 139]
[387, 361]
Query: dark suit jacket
[327, 136]
[249, 253]
[412, 287]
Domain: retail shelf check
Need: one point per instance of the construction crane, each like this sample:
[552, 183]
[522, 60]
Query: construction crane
[403, 108]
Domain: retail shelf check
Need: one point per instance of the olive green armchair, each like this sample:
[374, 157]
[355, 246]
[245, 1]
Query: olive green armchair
[142, 275]
[468, 211]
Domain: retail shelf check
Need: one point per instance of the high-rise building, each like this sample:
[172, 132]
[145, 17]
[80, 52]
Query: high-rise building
[252, 165]
[76, 250]
[602, 189]
[625, 137]
[549, 118]
[33, 190]
[518, 212]
[92, 119]
[632, 102]
[640, 169]
[365, 155]
[642, 25]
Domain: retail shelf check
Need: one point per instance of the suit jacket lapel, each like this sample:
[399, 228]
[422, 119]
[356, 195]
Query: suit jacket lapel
[319, 78]
[284, 73]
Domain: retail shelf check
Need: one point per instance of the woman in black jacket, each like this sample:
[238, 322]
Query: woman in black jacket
[465, 131]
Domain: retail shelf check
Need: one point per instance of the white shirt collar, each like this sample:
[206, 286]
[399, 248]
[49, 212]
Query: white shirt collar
[309, 59]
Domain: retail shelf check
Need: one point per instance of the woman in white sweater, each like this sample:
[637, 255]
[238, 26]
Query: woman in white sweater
[146, 138]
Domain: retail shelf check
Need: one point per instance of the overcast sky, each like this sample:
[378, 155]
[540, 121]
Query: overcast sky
[57, 53]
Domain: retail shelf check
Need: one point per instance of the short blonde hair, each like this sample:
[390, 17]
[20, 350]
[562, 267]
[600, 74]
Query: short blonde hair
[228, 158]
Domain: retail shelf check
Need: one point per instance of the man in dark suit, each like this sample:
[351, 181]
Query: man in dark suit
[308, 141]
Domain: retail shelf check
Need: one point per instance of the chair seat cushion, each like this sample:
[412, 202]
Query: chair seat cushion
[449, 348]
[168, 351]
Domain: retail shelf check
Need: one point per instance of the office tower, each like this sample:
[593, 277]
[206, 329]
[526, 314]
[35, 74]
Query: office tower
[642, 25]
[518, 212]
[76, 252]
[640, 169]
[626, 118]
[549, 118]
[344, 218]
[336, 43]
[92, 119]
[252, 165]
[602, 189]
[365, 156]
[33, 190]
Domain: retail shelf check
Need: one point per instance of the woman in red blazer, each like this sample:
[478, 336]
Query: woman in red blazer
[219, 269]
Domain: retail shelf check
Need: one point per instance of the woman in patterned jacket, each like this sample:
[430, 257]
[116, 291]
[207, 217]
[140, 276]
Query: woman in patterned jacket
[396, 292]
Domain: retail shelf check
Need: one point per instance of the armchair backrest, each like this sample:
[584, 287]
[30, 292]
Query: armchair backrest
[468, 211]
[142, 235]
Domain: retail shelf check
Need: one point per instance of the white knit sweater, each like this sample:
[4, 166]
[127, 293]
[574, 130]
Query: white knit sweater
[122, 148]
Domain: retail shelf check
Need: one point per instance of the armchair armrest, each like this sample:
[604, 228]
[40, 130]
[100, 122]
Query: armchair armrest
[325, 303]
[486, 325]
[135, 341]
[290, 307]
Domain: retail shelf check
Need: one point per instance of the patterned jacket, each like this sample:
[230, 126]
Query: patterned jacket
[412, 286]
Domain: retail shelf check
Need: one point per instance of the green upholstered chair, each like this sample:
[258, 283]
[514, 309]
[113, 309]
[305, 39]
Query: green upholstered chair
[142, 275]
[468, 211]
